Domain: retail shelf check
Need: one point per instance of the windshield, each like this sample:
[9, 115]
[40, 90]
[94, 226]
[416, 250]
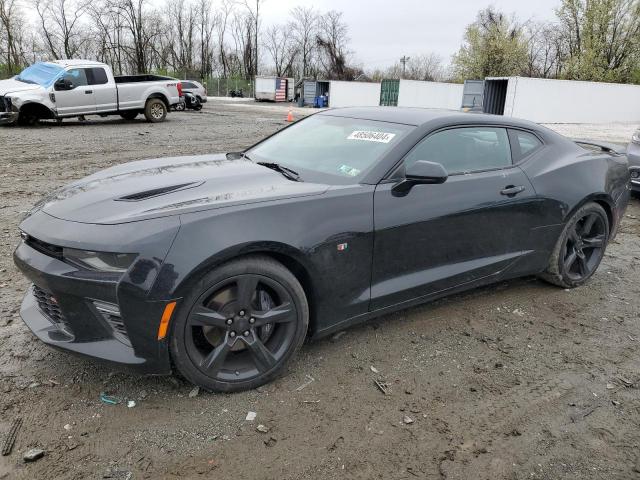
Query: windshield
[333, 150]
[43, 74]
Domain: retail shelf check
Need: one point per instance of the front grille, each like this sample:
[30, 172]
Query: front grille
[49, 306]
[2, 105]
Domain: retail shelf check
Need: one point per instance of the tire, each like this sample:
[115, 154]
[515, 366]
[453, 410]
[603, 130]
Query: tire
[28, 119]
[155, 110]
[197, 108]
[180, 107]
[129, 115]
[580, 248]
[225, 340]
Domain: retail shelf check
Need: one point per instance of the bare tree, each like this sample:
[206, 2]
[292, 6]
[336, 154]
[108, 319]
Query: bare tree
[62, 28]
[253, 7]
[304, 29]
[10, 34]
[207, 23]
[281, 48]
[332, 40]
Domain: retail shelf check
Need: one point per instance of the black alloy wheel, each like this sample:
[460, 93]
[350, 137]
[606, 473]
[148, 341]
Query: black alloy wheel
[248, 319]
[580, 248]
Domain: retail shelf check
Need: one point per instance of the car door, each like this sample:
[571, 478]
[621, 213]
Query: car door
[472, 226]
[104, 93]
[77, 98]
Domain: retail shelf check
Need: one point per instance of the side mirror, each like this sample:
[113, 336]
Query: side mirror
[420, 172]
[63, 84]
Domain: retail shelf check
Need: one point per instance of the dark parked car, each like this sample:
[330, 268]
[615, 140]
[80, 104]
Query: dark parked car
[633, 153]
[220, 266]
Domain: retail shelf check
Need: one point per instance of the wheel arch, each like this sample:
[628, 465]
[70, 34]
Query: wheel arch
[159, 95]
[602, 199]
[292, 259]
[42, 111]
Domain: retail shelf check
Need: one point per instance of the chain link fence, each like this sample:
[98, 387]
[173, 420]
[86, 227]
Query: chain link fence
[217, 86]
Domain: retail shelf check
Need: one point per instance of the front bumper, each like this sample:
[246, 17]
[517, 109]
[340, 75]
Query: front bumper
[62, 308]
[7, 118]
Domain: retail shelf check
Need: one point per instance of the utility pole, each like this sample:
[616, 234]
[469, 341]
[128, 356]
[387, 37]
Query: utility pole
[403, 61]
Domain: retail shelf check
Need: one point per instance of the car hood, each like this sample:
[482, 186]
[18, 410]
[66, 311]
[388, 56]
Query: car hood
[169, 186]
[14, 86]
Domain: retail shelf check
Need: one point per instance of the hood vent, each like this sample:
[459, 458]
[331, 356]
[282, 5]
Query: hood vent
[138, 196]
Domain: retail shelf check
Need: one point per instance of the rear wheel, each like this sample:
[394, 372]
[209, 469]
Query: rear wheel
[240, 325]
[155, 110]
[129, 115]
[580, 248]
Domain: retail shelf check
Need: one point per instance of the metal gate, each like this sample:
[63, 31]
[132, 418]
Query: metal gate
[389, 91]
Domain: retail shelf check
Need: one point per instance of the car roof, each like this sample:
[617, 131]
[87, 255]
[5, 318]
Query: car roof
[421, 116]
[73, 63]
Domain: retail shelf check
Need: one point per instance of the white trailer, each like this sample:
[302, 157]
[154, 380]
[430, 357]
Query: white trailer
[353, 94]
[561, 101]
[414, 93]
[273, 89]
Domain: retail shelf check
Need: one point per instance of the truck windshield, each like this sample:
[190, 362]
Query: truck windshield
[43, 74]
[334, 150]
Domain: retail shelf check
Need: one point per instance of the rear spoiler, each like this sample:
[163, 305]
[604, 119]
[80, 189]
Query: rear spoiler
[611, 148]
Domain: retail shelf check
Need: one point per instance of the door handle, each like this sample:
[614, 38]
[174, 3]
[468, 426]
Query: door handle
[88, 92]
[512, 190]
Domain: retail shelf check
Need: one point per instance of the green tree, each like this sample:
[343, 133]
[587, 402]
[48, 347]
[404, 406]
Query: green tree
[494, 45]
[600, 39]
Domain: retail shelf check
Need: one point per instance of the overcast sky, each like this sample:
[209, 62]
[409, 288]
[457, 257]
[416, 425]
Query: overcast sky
[382, 31]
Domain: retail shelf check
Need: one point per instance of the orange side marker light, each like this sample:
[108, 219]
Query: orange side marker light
[164, 321]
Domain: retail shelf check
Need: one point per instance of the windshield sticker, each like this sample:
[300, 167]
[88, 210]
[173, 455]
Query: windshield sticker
[347, 170]
[380, 137]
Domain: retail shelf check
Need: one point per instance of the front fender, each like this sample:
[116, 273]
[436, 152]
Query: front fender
[19, 100]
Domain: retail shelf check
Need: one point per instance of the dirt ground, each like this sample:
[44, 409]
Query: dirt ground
[518, 380]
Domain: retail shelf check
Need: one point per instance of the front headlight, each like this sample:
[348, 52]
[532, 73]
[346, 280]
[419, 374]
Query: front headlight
[636, 137]
[99, 261]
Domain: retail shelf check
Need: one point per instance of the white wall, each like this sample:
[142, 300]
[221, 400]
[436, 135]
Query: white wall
[414, 93]
[353, 94]
[567, 101]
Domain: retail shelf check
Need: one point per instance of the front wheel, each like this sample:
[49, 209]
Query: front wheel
[580, 247]
[240, 325]
[28, 118]
[155, 110]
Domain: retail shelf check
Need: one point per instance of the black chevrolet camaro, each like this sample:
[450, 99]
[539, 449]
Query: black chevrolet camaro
[220, 266]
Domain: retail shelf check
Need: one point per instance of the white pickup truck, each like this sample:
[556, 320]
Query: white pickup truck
[76, 88]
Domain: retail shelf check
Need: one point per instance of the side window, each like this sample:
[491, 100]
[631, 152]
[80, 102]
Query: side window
[465, 149]
[77, 77]
[188, 85]
[96, 76]
[524, 143]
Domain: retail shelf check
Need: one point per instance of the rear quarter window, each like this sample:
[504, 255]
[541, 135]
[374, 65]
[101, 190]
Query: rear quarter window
[523, 144]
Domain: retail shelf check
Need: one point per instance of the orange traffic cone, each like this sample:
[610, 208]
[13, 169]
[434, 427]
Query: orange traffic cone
[290, 116]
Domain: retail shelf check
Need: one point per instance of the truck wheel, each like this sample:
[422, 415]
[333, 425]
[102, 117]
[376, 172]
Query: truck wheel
[155, 110]
[129, 115]
[28, 118]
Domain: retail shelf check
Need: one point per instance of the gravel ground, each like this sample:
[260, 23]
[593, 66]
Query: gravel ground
[518, 380]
